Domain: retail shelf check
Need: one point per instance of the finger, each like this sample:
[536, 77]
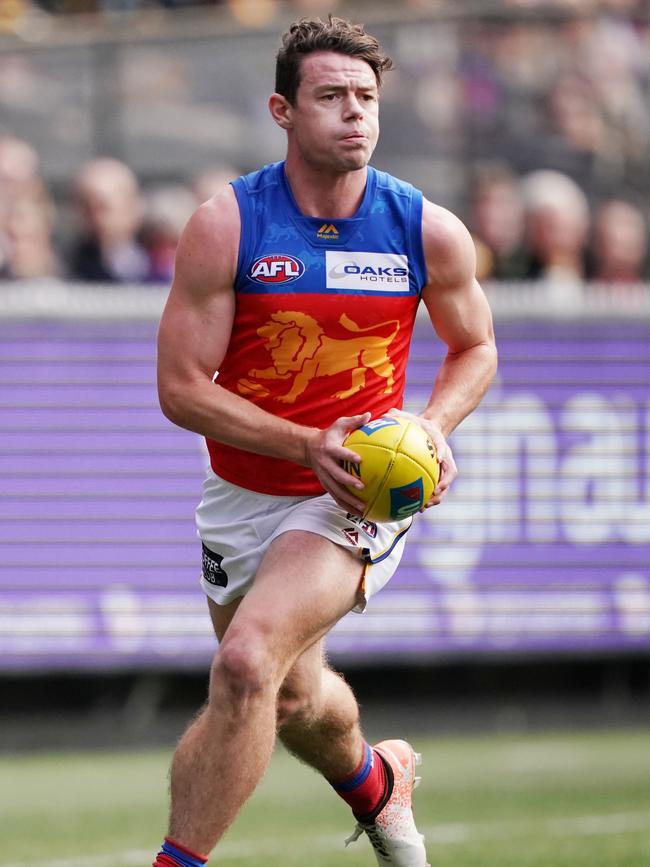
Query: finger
[448, 473]
[343, 456]
[346, 498]
[444, 484]
[340, 452]
[334, 471]
[401, 413]
[441, 488]
[440, 445]
[448, 469]
[444, 481]
[352, 422]
[339, 474]
[436, 498]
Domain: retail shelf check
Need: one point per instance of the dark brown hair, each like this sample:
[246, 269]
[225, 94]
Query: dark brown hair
[311, 34]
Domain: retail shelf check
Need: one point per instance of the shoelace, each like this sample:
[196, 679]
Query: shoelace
[354, 836]
[371, 831]
[373, 834]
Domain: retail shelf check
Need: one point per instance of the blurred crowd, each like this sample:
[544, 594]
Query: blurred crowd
[73, 6]
[536, 131]
[20, 16]
[110, 231]
[540, 226]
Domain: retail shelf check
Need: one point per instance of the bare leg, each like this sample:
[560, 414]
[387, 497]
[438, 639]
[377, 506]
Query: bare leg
[318, 718]
[318, 715]
[223, 755]
[304, 586]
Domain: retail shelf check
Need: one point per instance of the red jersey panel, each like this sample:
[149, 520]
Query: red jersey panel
[311, 359]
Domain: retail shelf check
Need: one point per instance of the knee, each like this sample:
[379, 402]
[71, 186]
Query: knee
[242, 669]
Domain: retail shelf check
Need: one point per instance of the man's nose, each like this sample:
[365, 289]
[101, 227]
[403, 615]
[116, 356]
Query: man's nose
[353, 108]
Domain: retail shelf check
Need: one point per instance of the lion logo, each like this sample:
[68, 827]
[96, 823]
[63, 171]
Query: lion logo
[301, 351]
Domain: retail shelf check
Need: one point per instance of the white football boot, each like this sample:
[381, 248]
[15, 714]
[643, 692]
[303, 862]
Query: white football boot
[393, 835]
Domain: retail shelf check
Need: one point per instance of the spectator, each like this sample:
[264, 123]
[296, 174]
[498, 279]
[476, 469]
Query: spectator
[167, 210]
[26, 214]
[20, 170]
[111, 207]
[497, 224]
[557, 227]
[28, 248]
[620, 244]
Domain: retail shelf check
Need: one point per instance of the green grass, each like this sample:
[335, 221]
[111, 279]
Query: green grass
[555, 800]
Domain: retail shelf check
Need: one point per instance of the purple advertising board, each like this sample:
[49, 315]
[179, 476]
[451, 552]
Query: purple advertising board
[543, 545]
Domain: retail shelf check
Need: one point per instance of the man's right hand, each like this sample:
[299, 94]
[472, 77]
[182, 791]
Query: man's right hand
[325, 452]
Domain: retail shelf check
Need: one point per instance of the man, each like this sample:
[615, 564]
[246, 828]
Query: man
[284, 282]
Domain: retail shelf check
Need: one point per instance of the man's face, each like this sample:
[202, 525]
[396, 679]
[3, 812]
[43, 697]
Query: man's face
[335, 119]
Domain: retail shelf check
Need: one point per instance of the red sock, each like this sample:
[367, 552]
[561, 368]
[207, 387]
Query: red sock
[367, 788]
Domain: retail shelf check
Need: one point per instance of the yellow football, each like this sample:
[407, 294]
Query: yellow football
[399, 467]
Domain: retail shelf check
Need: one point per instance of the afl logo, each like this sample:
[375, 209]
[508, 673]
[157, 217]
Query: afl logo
[276, 269]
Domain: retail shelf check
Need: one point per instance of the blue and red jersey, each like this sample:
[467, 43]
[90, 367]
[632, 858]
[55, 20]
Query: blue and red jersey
[324, 314]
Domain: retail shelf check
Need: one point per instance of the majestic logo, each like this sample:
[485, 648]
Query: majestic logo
[328, 232]
[276, 269]
[301, 351]
[406, 500]
[388, 272]
[368, 527]
[211, 568]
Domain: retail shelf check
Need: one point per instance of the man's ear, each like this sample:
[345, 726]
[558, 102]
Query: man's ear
[281, 110]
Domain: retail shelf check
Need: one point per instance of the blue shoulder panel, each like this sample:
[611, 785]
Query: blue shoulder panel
[279, 245]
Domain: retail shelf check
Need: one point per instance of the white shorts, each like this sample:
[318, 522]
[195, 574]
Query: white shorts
[236, 527]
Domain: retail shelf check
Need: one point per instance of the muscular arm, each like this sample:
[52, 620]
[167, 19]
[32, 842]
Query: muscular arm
[193, 340]
[461, 317]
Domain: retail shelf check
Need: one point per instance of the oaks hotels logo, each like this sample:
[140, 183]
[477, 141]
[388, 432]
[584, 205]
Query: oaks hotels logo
[388, 272]
[276, 268]
[328, 232]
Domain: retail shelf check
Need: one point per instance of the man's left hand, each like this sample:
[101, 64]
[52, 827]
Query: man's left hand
[448, 469]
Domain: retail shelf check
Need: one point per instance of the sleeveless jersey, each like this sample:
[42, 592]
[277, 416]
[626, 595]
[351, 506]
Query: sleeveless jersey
[324, 314]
